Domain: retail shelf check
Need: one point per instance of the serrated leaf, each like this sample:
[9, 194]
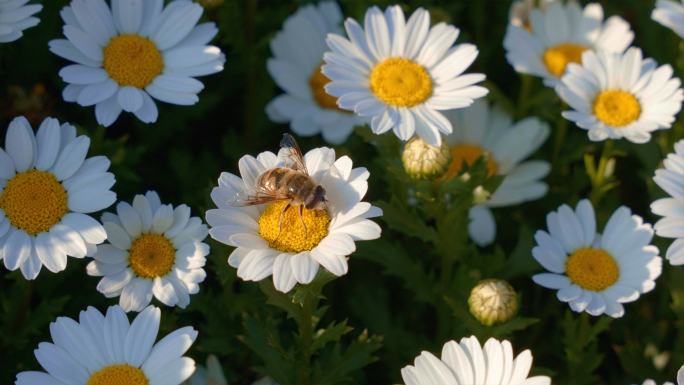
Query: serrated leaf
[262, 338]
[344, 361]
[399, 217]
[515, 324]
[281, 300]
[330, 334]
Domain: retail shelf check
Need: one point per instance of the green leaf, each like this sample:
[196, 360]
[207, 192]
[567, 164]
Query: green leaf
[281, 300]
[331, 333]
[262, 338]
[399, 217]
[515, 324]
[344, 361]
[314, 288]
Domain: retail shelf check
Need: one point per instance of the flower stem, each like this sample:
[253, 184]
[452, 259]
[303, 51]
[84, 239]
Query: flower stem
[306, 333]
[598, 185]
[525, 89]
[561, 132]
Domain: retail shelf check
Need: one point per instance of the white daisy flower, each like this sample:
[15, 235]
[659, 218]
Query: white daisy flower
[560, 35]
[620, 95]
[15, 17]
[671, 180]
[291, 255]
[104, 350]
[594, 272]
[670, 14]
[296, 68]
[480, 129]
[651, 382]
[402, 73]
[47, 186]
[153, 249]
[519, 13]
[134, 52]
[469, 363]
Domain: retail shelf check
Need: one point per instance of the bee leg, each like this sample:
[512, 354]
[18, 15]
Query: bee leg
[301, 210]
[281, 222]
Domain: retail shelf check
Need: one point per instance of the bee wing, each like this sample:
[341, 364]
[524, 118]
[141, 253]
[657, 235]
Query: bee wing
[292, 154]
[256, 196]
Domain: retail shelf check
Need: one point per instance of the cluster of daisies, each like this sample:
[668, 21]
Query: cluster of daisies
[392, 73]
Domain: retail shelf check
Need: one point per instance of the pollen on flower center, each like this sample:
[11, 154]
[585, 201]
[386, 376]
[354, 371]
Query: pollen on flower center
[558, 57]
[292, 238]
[468, 153]
[132, 60]
[616, 108]
[151, 256]
[34, 201]
[592, 269]
[119, 375]
[401, 82]
[317, 82]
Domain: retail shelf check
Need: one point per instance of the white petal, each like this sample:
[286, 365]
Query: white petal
[163, 219]
[47, 141]
[20, 144]
[130, 98]
[68, 240]
[117, 236]
[169, 348]
[141, 336]
[71, 158]
[90, 229]
[116, 329]
[16, 250]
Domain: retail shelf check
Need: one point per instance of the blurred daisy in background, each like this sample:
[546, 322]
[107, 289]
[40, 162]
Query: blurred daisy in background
[670, 14]
[104, 350]
[671, 179]
[15, 17]
[290, 254]
[153, 249]
[480, 130]
[134, 52]
[560, 35]
[519, 13]
[402, 73]
[620, 95]
[47, 186]
[651, 382]
[593, 272]
[469, 363]
[296, 68]
[211, 374]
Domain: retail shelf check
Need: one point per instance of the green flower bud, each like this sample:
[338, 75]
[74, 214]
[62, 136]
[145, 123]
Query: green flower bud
[493, 301]
[422, 161]
[480, 195]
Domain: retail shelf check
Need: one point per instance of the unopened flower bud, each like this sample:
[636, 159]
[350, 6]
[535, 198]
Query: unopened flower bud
[480, 195]
[493, 301]
[422, 161]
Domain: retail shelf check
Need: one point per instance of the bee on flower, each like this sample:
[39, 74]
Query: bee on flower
[402, 73]
[136, 51]
[290, 213]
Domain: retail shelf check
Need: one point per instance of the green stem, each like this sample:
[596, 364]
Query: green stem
[525, 89]
[597, 184]
[306, 332]
[561, 132]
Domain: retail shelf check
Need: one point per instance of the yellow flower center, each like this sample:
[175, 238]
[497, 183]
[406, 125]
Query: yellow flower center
[34, 201]
[468, 153]
[151, 256]
[293, 238]
[119, 375]
[558, 57]
[616, 108]
[132, 60]
[317, 82]
[592, 269]
[401, 82]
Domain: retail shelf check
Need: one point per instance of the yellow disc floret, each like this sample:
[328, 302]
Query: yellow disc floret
[34, 201]
[132, 60]
[468, 153]
[293, 238]
[119, 375]
[151, 256]
[558, 57]
[616, 108]
[317, 82]
[592, 269]
[401, 82]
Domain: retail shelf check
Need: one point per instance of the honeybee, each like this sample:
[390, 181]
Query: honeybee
[291, 183]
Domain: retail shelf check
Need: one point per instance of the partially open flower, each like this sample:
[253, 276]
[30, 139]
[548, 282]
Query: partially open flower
[422, 161]
[493, 301]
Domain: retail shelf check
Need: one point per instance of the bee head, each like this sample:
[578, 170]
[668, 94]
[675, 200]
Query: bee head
[316, 200]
